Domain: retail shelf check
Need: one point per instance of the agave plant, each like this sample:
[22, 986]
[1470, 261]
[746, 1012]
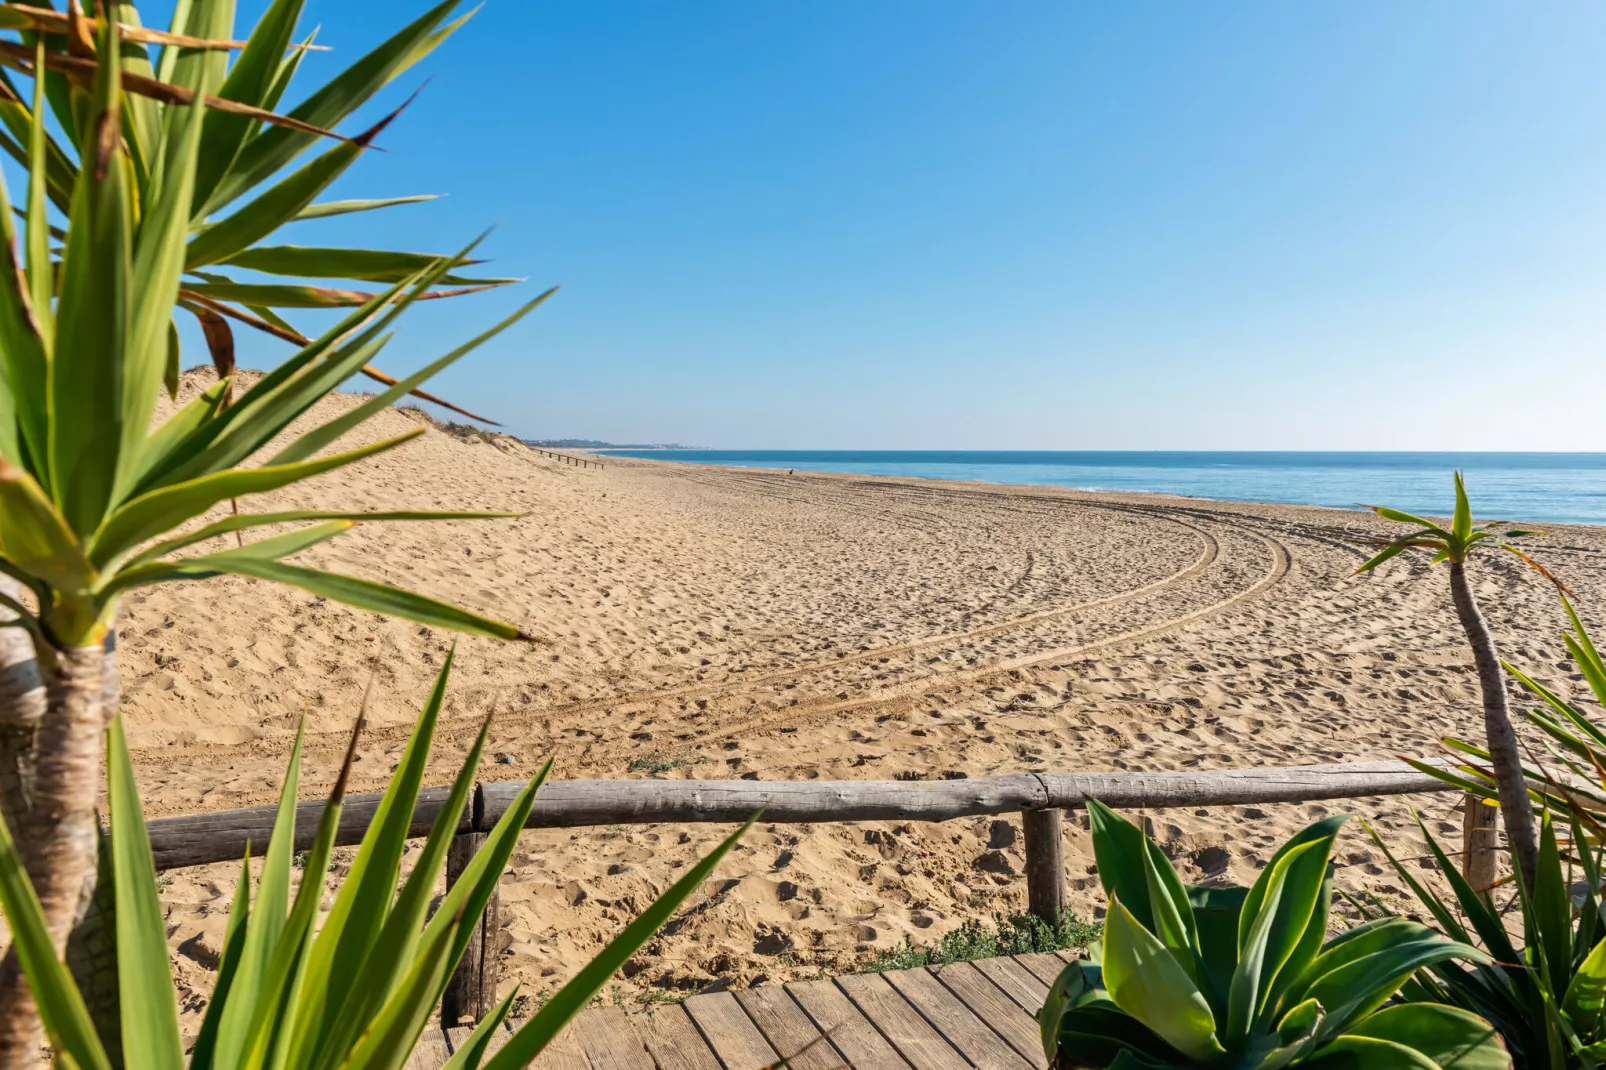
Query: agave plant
[358, 992]
[1456, 545]
[94, 500]
[1548, 998]
[1245, 977]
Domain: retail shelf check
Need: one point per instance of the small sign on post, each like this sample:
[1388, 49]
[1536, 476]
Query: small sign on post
[1479, 843]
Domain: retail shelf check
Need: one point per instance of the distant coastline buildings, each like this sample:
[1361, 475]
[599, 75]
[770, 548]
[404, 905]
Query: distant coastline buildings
[593, 444]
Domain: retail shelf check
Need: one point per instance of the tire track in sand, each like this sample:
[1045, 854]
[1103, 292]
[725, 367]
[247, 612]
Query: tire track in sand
[1210, 551]
[896, 697]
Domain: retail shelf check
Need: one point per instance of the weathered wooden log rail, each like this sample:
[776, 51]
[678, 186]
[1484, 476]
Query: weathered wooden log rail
[1040, 798]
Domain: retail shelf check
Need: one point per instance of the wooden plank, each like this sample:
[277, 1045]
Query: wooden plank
[730, 1032]
[851, 1033]
[996, 1010]
[788, 1029]
[900, 1023]
[457, 1036]
[430, 1053]
[669, 1036]
[571, 803]
[501, 1036]
[1016, 981]
[962, 1028]
[562, 1054]
[221, 836]
[1043, 966]
[605, 1036]
[1230, 787]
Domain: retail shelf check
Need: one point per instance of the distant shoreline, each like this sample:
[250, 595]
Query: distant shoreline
[1546, 488]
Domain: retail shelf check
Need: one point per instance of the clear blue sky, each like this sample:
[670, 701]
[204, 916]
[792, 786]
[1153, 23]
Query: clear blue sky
[1019, 225]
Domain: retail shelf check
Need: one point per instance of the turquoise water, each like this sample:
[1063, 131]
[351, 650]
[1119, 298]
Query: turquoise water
[1545, 487]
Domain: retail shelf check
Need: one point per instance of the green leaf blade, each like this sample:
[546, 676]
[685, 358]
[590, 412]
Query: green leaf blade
[145, 987]
[86, 373]
[1147, 982]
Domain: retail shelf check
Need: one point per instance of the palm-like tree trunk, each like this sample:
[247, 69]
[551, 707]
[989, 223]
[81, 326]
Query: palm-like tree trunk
[1515, 805]
[63, 837]
[60, 835]
[92, 945]
[22, 707]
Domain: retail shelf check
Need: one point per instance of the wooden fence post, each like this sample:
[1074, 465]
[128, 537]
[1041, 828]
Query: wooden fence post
[472, 990]
[1045, 863]
[1479, 840]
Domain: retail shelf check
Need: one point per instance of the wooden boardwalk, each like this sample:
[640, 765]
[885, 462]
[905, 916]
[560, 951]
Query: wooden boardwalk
[965, 1015]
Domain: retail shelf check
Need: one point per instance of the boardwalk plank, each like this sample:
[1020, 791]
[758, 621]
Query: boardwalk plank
[788, 1029]
[963, 1029]
[996, 1010]
[502, 1036]
[673, 1041]
[1016, 981]
[562, 1054]
[851, 1033]
[1042, 965]
[730, 1032]
[430, 1053]
[900, 1023]
[604, 1034]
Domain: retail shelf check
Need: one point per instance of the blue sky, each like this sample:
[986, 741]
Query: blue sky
[1058, 225]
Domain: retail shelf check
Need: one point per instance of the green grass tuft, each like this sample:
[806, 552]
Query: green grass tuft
[657, 763]
[1008, 935]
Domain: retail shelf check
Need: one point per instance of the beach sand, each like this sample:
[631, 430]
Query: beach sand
[717, 623]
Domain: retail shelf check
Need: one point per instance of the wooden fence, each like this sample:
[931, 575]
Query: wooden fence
[582, 462]
[1040, 798]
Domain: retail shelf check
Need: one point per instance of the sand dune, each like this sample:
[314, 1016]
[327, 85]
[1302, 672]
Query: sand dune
[712, 623]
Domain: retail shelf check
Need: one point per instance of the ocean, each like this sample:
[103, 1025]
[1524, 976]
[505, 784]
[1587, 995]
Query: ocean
[1568, 488]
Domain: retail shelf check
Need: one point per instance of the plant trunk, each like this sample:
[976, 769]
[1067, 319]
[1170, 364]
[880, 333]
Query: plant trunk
[1501, 737]
[60, 835]
[22, 707]
[92, 946]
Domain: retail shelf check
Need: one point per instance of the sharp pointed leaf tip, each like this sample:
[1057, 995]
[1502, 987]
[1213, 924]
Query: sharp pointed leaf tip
[365, 139]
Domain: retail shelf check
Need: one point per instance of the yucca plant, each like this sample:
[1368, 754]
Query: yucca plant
[1456, 545]
[1245, 978]
[355, 994]
[1550, 1009]
[1575, 780]
[164, 169]
[243, 146]
[1548, 996]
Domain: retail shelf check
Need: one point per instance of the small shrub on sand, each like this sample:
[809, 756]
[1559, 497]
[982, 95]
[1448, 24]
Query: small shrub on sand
[657, 763]
[1017, 934]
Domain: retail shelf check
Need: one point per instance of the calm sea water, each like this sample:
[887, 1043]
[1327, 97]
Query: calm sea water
[1553, 487]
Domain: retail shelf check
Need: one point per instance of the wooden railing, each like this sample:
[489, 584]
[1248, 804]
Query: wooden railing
[1040, 798]
[582, 462]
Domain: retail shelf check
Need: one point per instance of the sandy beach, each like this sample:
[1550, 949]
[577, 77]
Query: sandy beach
[714, 623]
